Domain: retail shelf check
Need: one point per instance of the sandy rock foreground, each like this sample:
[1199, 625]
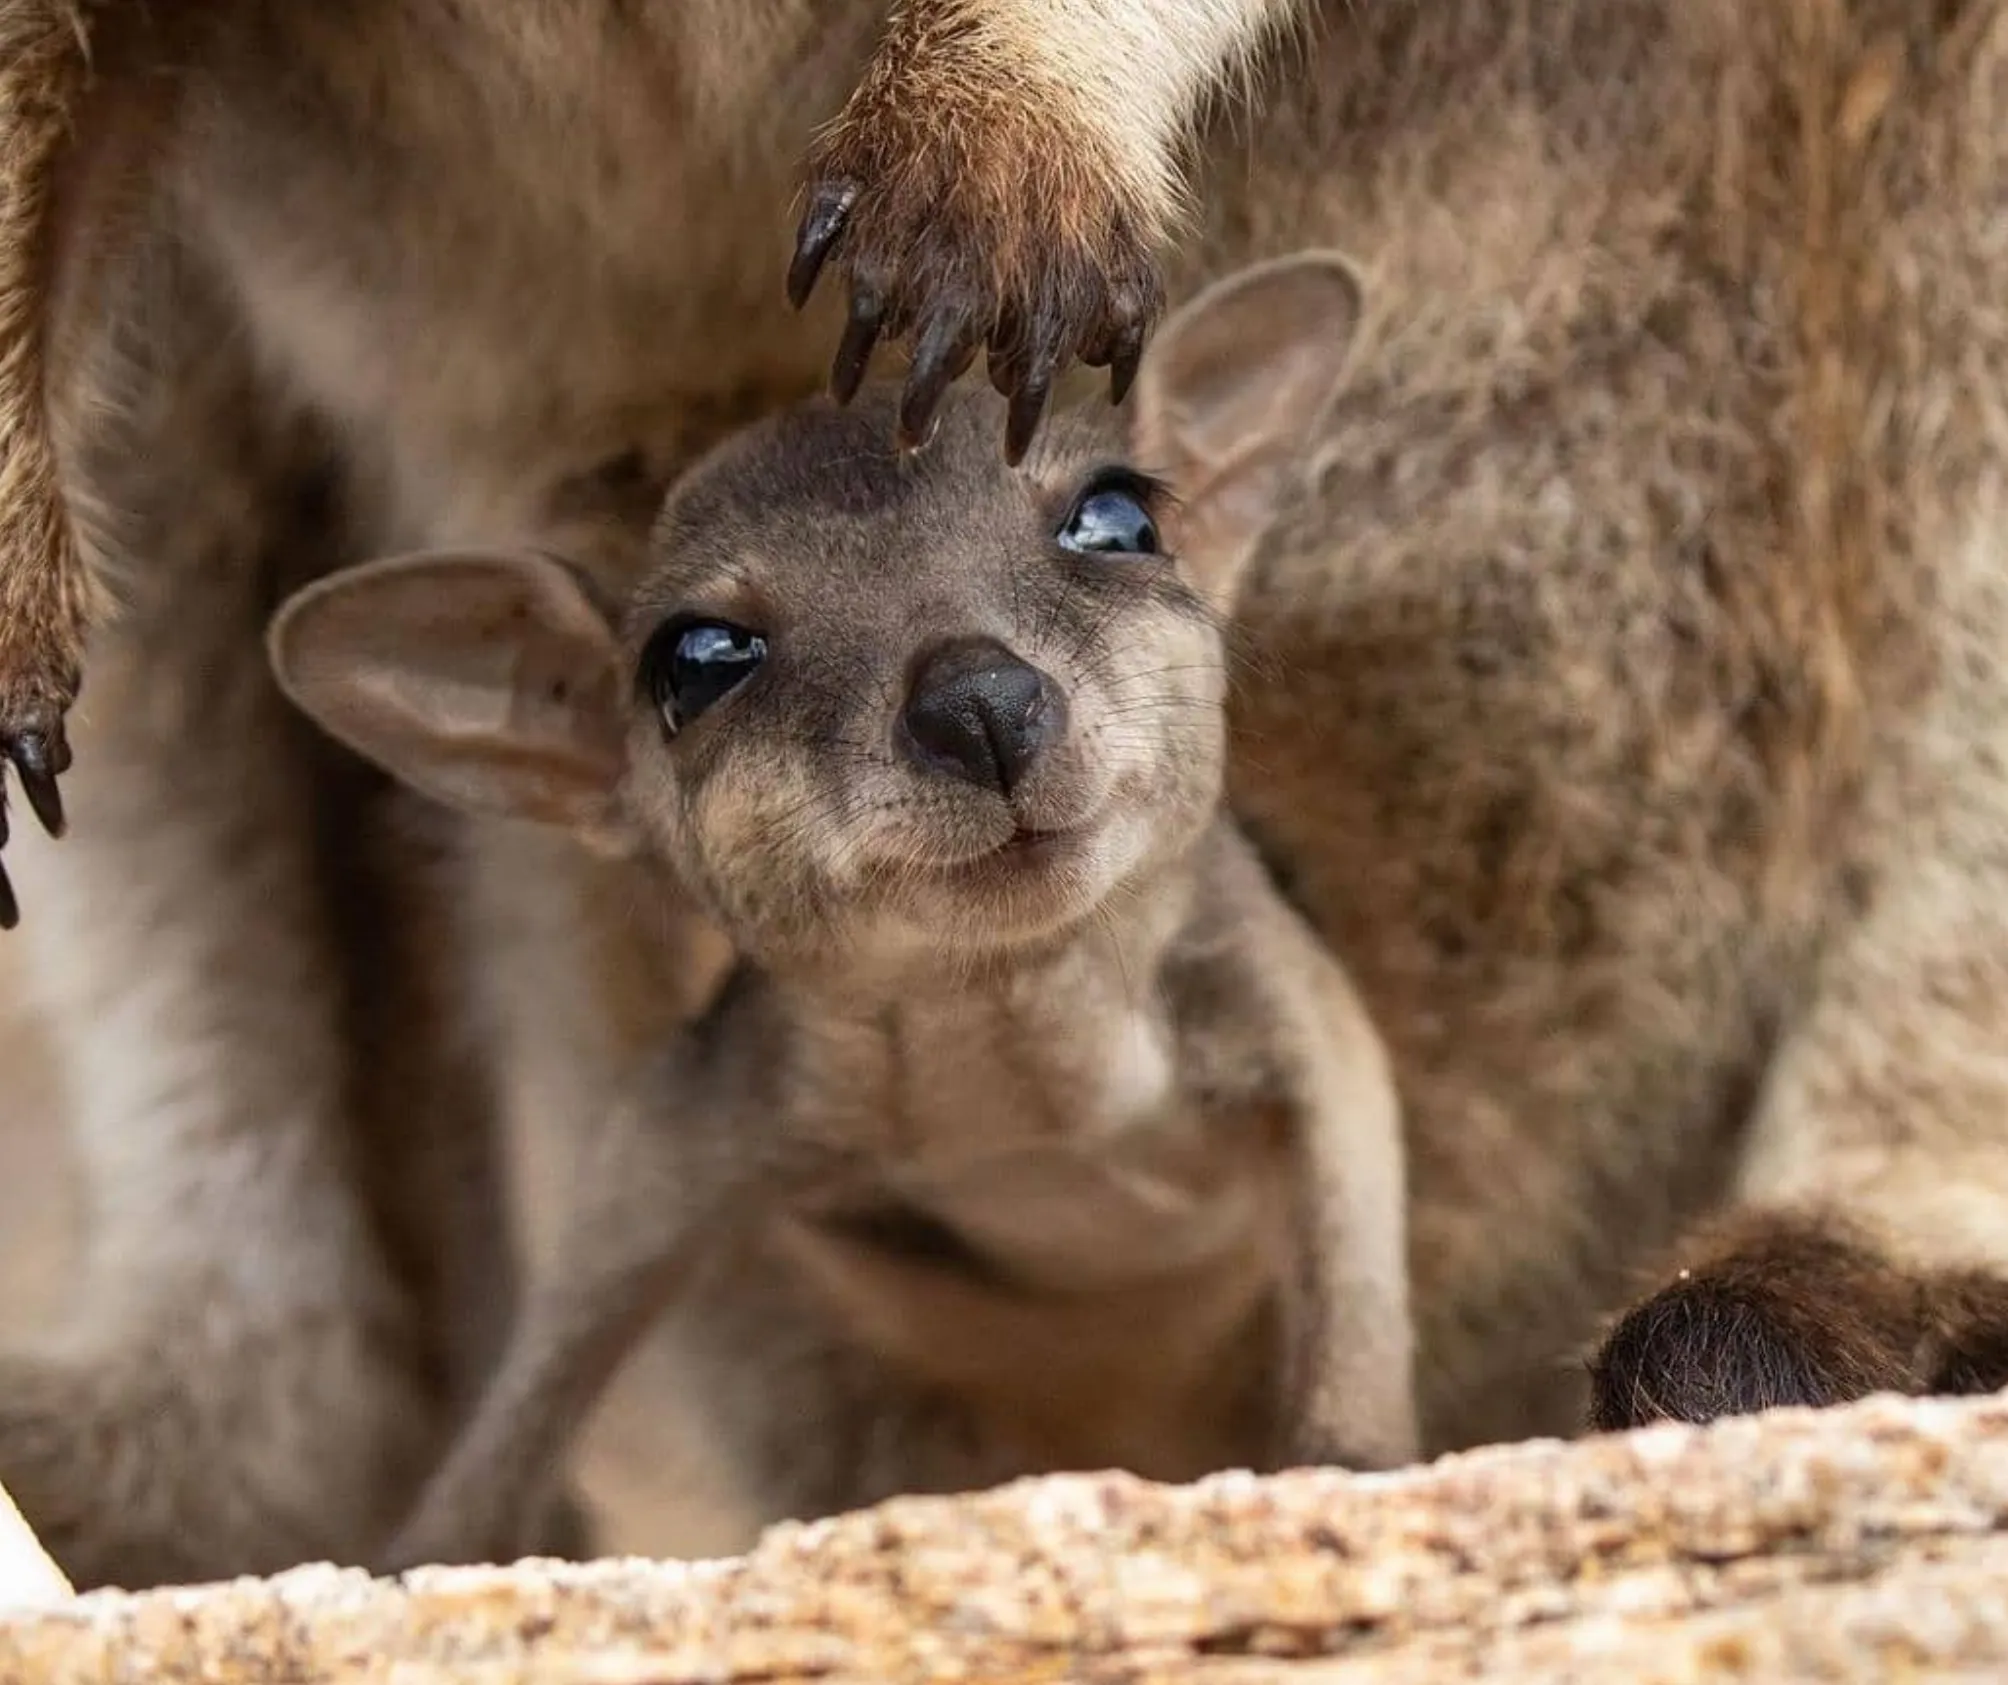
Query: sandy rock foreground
[1864, 1544]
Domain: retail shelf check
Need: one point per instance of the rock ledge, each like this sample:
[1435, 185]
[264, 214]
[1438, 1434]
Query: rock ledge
[1862, 1544]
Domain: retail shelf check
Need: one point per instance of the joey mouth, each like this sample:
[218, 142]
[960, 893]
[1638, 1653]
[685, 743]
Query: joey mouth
[1030, 841]
[1024, 880]
[1015, 846]
[1028, 848]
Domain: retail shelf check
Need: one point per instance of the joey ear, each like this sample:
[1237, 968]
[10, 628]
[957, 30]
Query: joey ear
[1229, 389]
[488, 681]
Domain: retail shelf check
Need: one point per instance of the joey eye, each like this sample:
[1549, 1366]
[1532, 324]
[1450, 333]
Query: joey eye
[690, 665]
[1109, 518]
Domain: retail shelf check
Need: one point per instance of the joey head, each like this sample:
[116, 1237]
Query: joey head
[1029, 1094]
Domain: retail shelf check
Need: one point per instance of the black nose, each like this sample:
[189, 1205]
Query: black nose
[975, 711]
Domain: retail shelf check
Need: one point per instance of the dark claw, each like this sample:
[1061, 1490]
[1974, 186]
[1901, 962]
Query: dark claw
[946, 350]
[854, 354]
[10, 909]
[824, 220]
[1009, 346]
[1097, 353]
[38, 765]
[1123, 362]
[1028, 405]
[1003, 373]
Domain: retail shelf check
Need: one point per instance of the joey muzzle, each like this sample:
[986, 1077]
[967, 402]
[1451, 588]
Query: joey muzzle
[974, 711]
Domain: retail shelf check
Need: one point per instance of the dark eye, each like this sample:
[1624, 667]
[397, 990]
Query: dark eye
[1109, 518]
[689, 666]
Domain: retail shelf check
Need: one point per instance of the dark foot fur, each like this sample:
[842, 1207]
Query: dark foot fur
[1786, 1311]
[998, 231]
[1970, 1313]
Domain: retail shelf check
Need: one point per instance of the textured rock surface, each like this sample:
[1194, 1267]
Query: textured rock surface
[1867, 1544]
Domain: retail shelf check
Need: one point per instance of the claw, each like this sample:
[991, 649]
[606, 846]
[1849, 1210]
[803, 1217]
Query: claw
[854, 354]
[829, 210]
[10, 909]
[38, 763]
[946, 350]
[1007, 353]
[1097, 352]
[45, 798]
[1028, 405]
[1123, 361]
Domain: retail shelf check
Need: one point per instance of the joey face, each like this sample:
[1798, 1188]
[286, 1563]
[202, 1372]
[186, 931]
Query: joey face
[876, 708]
[891, 706]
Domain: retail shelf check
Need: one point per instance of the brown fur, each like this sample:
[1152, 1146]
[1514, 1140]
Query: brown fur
[1623, 695]
[1624, 704]
[891, 1161]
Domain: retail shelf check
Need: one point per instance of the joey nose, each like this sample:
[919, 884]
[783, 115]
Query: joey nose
[974, 711]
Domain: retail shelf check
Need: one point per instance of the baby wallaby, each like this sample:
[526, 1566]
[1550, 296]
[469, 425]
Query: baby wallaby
[1033, 1129]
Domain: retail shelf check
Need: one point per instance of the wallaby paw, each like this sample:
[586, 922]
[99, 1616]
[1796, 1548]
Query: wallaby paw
[33, 742]
[1792, 1313]
[567, 1531]
[441, 1536]
[1004, 230]
[1363, 1453]
[431, 1539]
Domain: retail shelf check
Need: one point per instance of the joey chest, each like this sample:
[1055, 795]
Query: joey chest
[1064, 1157]
[1017, 1193]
